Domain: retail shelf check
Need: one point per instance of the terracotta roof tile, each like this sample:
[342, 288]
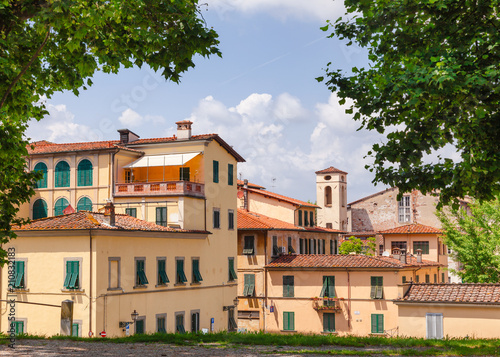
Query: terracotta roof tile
[92, 220]
[279, 197]
[414, 228]
[331, 170]
[454, 293]
[343, 261]
[250, 220]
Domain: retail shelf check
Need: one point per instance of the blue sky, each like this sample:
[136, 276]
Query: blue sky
[261, 97]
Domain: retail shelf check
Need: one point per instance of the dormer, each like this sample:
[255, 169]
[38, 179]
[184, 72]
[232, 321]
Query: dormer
[127, 136]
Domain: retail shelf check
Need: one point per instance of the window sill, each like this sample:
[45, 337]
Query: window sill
[195, 283]
[161, 285]
[80, 291]
[18, 290]
[329, 333]
[140, 287]
[115, 289]
[180, 284]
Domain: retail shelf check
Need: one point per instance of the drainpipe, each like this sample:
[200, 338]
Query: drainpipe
[90, 279]
[265, 283]
[348, 299]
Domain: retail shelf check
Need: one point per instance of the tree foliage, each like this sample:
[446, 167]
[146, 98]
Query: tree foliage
[358, 246]
[57, 45]
[474, 238]
[433, 82]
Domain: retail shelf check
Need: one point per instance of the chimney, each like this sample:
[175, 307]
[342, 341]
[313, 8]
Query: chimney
[419, 255]
[402, 258]
[395, 253]
[109, 210]
[245, 195]
[126, 136]
[184, 130]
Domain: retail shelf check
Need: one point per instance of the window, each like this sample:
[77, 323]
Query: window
[72, 280]
[161, 323]
[75, 330]
[248, 249]
[328, 289]
[328, 322]
[62, 173]
[249, 287]
[300, 218]
[216, 171]
[435, 278]
[18, 327]
[196, 278]
[180, 275]
[184, 173]
[377, 323]
[404, 209]
[301, 246]
[376, 287]
[400, 245]
[329, 225]
[232, 272]
[288, 284]
[195, 321]
[434, 324]
[231, 322]
[230, 219]
[328, 196]
[288, 321]
[442, 278]
[427, 278]
[162, 278]
[404, 279]
[41, 183]
[333, 246]
[84, 204]
[131, 212]
[421, 245]
[179, 322]
[85, 173]
[19, 277]
[60, 206]
[290, 246]
[380, 249]
[275, 246]
[161, 216]
[139, 325]
[311, 219]
[216, 218]
[306, 219]
[40, 209]
[417, 278]
[230, 174]
[114, 273]
[140, 272]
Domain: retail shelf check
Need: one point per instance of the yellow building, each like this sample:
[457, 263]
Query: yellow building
[451, 310]
[343, 294]
[185, 183]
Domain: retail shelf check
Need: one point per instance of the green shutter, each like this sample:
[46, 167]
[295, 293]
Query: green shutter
[131, 212]
[40, 209]
[285, 321]
[74, 330]
[62, 174]
[376, 291]
[161, 324]
[377, 323]
[374, 323]
[141, 274]
[161, 216]
[249, 288]
[179, 324]
[18, 327]
[288, 286]
[230, 172]
[85, 173]
[42, 183]
[68, 274]
[230, 217]
[328, 322]
[60, 206]
[181, 276]
[331, 286]
[162, 273]
[232, 272]
[306, 219]
[84, 204]
[288, 321]
[325, 287]
[311, 219]
[139, 326]
[380, 320]
[19, 270]
[300, 218]
[184, 173]
[75, 270]
[196, 271]
[216, 171]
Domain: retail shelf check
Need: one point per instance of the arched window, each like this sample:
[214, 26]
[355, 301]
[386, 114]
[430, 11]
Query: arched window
[60, 205]
[328, 196]
[85, 173]
[42, 183]
[39, 209]
[84, 204]
[62, 174]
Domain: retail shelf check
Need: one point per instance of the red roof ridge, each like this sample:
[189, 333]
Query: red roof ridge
[331, 170]
[283, 198]
[412, 228]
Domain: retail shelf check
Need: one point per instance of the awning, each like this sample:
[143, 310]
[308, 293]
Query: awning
[162, 160]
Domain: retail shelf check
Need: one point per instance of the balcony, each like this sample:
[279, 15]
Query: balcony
[327, 304]
[168, 188]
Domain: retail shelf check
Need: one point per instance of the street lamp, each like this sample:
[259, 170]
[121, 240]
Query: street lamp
[133, 315]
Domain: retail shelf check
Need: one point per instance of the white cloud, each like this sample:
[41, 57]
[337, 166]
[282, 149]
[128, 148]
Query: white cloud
[132, 119]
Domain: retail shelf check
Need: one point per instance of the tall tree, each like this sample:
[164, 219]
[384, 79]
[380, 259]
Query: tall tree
[473, 234]
[433, 82]
[358, 246]
[51, 46]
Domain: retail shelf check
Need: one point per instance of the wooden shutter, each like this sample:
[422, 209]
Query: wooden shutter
[41, 183]
[230, 172]
[331, 286]
[300, 217]
[286, 322]
[216, 171]
[85, 173]
[19, 283]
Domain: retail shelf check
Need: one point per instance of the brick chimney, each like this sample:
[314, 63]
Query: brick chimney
[126, 136]
[245, 194]
[419, 255]
[109, 210]
[402, 257]
[395, 253]
[184, 129]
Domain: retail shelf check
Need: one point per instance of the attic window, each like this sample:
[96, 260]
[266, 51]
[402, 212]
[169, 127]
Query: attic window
[328, 178]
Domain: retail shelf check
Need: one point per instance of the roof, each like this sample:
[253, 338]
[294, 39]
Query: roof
[255, 221]
[91, 220]
[251, 185]
[414, 228]
[372, 195]
[344, 261]
[47, 147]
[279, 197]
[331, 170]
[453, 293]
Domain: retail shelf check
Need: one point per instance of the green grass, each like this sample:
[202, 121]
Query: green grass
[374, 345]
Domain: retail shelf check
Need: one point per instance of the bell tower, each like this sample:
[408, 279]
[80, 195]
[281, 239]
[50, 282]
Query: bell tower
[331, 196]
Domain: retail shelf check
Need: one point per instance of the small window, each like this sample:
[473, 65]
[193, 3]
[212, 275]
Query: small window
[162, 278]
[306, 219]
[232, 272]
[18, 327]
[417, 278]
[288, 286]
[248, 249]
[377, 323]
[161, 323]
[276, 250]
[424, 246]
[301, 246]
[300, 218]
[62, 173]
[196, 278]
[216, 171]
[231, 322]
[41, 183]
[376, 287]
[75, 330]
[329, 225]
[290, 246]
[404, 209]
[442, 278]
[249, 287]
[161, 216]
[404, 279]
[19, 275]
[139, 325]
[184, 174]
[435, 278]
[230, 174]
[140, 272]
[328, 178]
[72, 280]
[216, 218]
[328, 196]
[114, 273]
[131, 212]
[328, 289]
[288, 321]
[427, 278]
[311, 219]
[180, 275]
[328, 322]
[179, 323]
[195, 321]
[85, 173]
[230, 219]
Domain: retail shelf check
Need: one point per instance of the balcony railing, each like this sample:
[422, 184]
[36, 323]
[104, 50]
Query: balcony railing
[327, 304]
[170, 188]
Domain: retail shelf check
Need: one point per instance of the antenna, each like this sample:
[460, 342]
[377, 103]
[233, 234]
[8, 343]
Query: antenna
[274, 182]
[241, 176]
